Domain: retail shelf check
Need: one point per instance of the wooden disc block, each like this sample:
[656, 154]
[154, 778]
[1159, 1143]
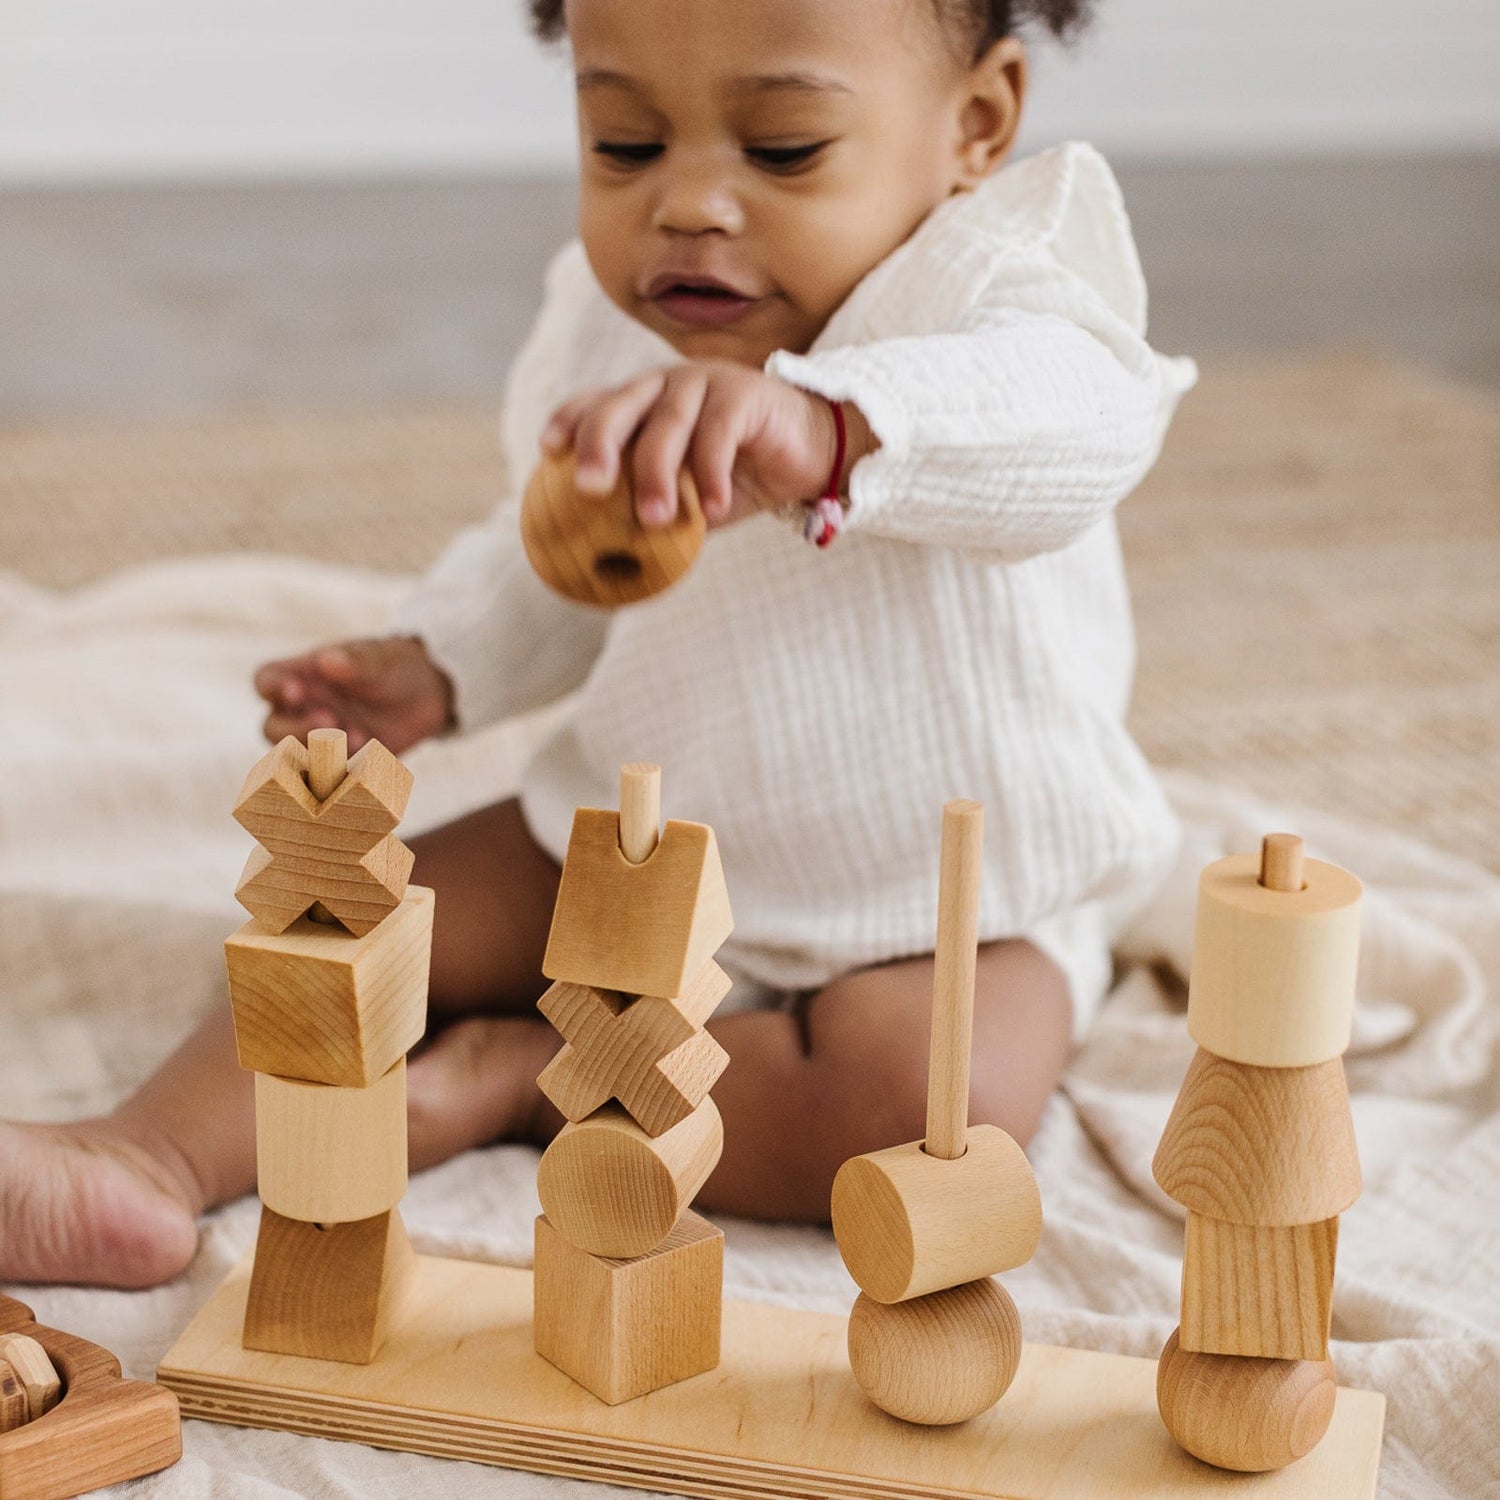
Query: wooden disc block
[937, 1359]
[908, 1224]
[592, 549]
[1246, 1414]
[329, 1155]
[1273, 972]
[617, 1192]
[32, 1367]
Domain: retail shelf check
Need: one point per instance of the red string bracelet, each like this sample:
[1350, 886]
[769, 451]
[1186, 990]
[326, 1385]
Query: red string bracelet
[825, 515]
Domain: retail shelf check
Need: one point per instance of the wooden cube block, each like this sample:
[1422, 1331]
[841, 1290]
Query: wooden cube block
[329, 1155]
[1265, 1291]
[326, 1293]
[34, 1370]
[621, 1328]
[317, 1004]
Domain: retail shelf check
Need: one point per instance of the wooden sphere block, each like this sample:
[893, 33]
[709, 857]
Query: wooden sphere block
[1246, 1414]
[15, 1411]
[326, 1292]
[937, 1359]
[621, 1328]
[329, 1155]
[909, 1224]
[1272, 980]
[316, 1004]
[32, 1367]
[593, 549]
[615, 1191]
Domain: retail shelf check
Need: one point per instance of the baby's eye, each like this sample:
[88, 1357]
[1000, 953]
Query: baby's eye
[785, 158]
[629, 153]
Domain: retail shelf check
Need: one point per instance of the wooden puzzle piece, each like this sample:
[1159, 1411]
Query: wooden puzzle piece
[316, 1004]
[39, 1379]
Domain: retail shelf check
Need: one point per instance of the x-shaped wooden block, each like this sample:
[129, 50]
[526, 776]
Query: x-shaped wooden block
[649, 1052]
[338, 853]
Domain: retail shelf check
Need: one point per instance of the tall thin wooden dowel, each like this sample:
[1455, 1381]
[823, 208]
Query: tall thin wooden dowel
[327, 761]
[1281, 862]
[640, 810]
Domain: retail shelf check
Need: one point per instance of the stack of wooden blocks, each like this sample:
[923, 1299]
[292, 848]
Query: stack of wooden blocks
[629, 1282]
[329, 987]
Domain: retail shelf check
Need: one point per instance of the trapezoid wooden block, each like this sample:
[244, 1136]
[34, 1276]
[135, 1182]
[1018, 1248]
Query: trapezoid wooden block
[622, 1328]
[326, 1292]
[338, 854]
[643, 929]
[1262, 1146]
[317, 1004]
[38, 1377]
[1260, 1291]
[330, 1155]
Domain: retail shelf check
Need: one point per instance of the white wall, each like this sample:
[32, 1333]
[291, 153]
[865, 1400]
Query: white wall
[112, 88]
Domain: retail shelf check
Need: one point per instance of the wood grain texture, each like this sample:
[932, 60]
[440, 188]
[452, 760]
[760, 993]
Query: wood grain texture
[643, 929]
[782, 1415]
[37, 1374]
[330, 1155]
[908, 1224]
[1250, 1415]
[1260, 1145]
[325, 1007]
[615, 1191]
[954, 962]
[622, 1328]
[326, 1292]
[1272, 980]
[1262, 1291]
[938, 1359]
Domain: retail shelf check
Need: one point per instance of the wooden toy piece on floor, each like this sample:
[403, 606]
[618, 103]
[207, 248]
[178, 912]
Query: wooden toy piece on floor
[93, 1427]
[922, 1227]
[592, 548]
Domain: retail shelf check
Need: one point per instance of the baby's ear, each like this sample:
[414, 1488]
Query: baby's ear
[991, 113]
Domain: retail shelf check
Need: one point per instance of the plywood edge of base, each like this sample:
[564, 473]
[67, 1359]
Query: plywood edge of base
[780, 1417]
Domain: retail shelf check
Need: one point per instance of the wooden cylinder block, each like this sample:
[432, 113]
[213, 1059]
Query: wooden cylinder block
[1273, 971]
[1247, 1414]
[908, 1224]
[592, 549]
[615, 1191]
[937, 1359]
[329, 1155]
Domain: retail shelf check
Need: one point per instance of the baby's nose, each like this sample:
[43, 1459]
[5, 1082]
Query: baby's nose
[697, 202]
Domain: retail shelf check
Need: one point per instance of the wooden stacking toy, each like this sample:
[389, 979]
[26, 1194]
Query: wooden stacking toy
[1260, 1151]
[329, 987]
[593, 549]
[924, 1227]
[629, 1282]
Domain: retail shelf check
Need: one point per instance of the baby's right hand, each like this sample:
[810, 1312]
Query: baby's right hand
[387, 689]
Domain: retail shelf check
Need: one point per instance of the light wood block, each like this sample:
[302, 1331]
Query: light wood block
[338, 853]
[102, 1431]
[643, 929]
[1263, 1291]
[908, 1224]
[326, 1293]
[1260, 1145]
[615, 1191]
[1250, 1415]
[621, 1328]
[329, 1155]
[782, 1415]
[15, 1411]
[1272, 980]
[34, 1370]
[937, 1359]
[316, 1004]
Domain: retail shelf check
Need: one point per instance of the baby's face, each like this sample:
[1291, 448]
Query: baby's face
[746, 162]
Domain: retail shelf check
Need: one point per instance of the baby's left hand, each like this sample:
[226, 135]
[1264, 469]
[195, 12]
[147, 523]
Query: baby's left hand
[750, 441]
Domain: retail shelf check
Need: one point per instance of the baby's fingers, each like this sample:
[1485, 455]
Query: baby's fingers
[662, 446]
[716, 445]
[279, 724]
[605, 428]
[562, 426]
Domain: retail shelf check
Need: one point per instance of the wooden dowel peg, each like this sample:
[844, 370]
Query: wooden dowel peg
[640, 810]
[953, 979]
[1281, 862]
[327, 761]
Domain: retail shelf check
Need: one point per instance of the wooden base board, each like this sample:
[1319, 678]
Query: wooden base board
[780, 1417]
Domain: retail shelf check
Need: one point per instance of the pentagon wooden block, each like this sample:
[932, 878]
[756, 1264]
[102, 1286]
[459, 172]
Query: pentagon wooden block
[615, 1191]
[336, 853]
[1260, 1145]
[1263, 1291]
[317, 1004]
[621, 1328]
[14, 1408]
[643, 929]
[326, 1292]
[909, 1224]
[31, 1366]
[329, 1155]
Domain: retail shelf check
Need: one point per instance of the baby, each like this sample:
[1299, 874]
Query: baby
[801, 273]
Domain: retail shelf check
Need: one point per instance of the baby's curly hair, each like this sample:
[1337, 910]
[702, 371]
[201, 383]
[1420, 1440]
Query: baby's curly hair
[975, 24]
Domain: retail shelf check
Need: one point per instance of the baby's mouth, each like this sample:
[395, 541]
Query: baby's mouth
[700, 303]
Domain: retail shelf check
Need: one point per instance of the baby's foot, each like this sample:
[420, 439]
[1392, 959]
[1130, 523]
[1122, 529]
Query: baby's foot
[90, 1203]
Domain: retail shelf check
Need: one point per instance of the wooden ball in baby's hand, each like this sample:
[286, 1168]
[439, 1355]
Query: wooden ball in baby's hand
[593, 549]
